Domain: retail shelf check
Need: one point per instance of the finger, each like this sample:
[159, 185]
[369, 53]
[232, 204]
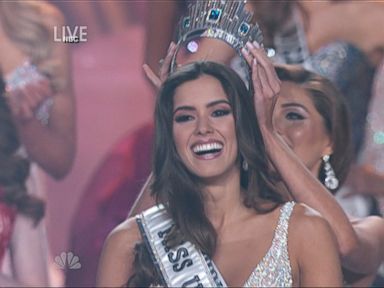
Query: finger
[44, 88]
[269, 70]
[265, 86]
[256, 81]
[164, 69]
[152, 76]
[259, 98]
[247, 56]
[25, 113]
[30, 96]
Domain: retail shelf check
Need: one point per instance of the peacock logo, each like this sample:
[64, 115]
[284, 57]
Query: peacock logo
[67, 260]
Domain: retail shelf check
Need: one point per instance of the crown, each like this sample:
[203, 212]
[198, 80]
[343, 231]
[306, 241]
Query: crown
[227, 20]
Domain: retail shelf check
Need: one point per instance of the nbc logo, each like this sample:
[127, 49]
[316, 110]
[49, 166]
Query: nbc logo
[68, 261]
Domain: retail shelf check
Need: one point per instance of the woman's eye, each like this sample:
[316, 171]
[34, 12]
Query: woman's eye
[294, 116]
[183, 118]
[221, 112]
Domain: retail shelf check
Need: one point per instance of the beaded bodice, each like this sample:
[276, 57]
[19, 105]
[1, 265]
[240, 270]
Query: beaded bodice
[274, 270]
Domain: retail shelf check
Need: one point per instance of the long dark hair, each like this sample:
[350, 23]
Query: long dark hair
[331, 105]
[181, 191]
[14, 169]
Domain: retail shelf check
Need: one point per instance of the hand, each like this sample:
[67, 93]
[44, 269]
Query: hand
[157, 80]
[265, 81]
[365, 180]
[25, 100]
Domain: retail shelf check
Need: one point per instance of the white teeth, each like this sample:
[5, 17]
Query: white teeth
[207, 147]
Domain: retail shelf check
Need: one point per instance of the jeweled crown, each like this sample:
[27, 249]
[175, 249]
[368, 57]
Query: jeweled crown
[227, 20]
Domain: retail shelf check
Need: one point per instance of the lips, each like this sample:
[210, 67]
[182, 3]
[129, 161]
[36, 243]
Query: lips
[207, 150]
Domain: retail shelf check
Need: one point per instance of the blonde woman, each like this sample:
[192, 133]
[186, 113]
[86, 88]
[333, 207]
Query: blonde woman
[39, 94]
[36, 70]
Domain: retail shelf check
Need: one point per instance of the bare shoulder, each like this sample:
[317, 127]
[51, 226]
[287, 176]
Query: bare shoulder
[307, 225]
[311, 238]
[116, 260]
[124, 236]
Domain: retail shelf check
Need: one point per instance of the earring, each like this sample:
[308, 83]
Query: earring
[330, 181]
[245, 165]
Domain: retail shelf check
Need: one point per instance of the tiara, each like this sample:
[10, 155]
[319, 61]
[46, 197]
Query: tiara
[227, 20]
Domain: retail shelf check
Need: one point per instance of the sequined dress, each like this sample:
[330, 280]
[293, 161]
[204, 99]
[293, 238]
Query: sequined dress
[274, 270]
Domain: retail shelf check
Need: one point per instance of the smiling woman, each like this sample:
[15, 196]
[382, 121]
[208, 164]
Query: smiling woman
[204, 128]
[219, 206]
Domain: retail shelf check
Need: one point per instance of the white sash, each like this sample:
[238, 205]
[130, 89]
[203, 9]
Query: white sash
[182, 266]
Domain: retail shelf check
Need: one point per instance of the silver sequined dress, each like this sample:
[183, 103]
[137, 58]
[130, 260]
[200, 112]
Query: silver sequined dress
[274, 270]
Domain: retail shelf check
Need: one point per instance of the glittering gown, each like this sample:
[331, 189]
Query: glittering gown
[274, 270]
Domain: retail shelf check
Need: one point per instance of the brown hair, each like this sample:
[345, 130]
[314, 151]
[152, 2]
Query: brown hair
[180, 191]
[331, 106]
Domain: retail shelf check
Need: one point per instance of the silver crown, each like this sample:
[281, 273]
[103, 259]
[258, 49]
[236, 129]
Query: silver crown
[225, 20]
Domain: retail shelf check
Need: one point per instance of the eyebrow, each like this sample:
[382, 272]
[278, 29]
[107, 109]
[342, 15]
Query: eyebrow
[191, 108]
[294, 104]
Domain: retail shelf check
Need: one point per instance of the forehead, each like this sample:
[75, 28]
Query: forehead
[202, 90]
[292, 92]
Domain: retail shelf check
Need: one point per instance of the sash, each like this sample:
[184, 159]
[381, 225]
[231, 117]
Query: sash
[182, 266]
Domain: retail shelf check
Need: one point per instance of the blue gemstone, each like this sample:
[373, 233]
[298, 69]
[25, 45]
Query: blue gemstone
[214, 15]
[186, 22]
[244, 28]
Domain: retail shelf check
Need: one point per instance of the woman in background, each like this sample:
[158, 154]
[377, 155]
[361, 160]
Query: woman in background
[20, 213]
[312, 118]
[38, 84]
[39, 93]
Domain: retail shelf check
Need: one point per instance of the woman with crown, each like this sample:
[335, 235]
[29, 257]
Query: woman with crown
[221, 218]
[358, 239]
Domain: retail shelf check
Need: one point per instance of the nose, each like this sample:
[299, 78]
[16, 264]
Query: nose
[203, 126]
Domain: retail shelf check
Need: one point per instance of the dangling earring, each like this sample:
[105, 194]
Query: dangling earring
[330, 181]
[245, 165]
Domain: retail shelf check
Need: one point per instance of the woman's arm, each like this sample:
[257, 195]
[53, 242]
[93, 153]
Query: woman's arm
[355, 250]
[115, 265]
[314, 246]
[52, 146]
